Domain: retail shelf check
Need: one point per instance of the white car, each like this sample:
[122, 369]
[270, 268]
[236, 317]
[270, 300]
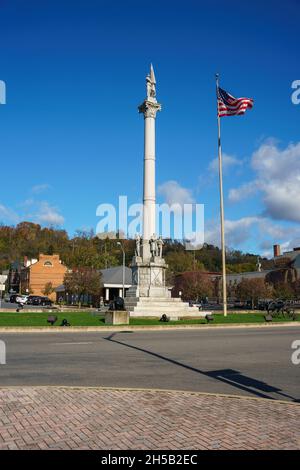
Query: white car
[21, 299]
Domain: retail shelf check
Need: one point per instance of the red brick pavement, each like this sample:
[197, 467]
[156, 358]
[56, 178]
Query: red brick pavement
[94, 418]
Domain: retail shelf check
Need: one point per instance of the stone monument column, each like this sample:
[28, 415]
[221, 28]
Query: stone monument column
[149, 108]
[149, 295]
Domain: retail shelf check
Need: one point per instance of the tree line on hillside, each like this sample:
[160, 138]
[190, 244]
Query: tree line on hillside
[85, 249]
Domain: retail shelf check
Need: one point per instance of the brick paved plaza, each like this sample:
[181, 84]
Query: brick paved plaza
[94, 418]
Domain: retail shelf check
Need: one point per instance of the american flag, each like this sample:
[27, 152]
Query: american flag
[230, 106]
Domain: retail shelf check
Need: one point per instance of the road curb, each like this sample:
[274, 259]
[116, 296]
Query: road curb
[100, 329]
[155, 390]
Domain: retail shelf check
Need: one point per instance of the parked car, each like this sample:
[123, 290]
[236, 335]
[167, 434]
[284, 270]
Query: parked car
[31, 299]
[21, 299]
[13, 298]
[213, 306]
[244, 305]
[43, 301]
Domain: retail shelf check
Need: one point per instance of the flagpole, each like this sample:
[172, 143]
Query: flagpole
[221, 208]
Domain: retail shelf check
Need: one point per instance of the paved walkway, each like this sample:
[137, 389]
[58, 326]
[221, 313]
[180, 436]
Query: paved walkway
[94, 418]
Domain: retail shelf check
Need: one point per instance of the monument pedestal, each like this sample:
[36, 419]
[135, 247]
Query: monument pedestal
[148, 296]
[148, 278]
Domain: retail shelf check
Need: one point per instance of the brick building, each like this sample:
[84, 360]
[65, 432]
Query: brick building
[37, 273]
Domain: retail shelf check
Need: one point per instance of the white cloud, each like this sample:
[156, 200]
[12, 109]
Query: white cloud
[275, 162]
[261, 229]
[8, 215]
[27, 203]
[227, 162]
[33, 210]
[237, 232]
[48, 215]
[39, 188]
[243, 192]
[277, 178]
[175, 194]
[270, 229]
[282, 201]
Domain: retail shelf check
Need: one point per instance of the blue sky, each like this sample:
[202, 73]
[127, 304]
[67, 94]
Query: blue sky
[71, 137]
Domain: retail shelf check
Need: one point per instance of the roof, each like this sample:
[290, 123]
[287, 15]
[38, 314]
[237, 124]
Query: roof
[110, 277]
[60, 288]
[205, 273]
[115, 275]
[248, 275]
[289, 254]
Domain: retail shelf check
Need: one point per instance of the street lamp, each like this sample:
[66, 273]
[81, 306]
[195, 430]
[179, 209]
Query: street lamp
[123, 273]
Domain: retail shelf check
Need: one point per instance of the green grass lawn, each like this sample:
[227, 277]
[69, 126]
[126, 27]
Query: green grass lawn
[40, 319]
[218, 319]
[90, 319]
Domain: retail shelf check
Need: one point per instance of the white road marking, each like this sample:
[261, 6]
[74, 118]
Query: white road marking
[73, 343]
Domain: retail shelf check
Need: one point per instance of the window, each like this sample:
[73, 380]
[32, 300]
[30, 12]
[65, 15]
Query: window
[48, 263]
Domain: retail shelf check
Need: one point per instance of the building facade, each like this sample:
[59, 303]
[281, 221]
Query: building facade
[36, 274]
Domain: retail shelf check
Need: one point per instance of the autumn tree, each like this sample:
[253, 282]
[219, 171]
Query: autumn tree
[284, 291]
[83, 281]
[253, 289]
[182, 261]
[195, 286]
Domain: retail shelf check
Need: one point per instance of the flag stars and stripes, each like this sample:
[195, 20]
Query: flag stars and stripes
[230, 106]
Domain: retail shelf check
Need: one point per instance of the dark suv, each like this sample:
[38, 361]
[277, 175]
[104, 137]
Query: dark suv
[38, 300]
[31, 298]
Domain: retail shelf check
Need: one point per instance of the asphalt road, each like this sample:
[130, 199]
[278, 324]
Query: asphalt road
[251, 361]
[14, 306]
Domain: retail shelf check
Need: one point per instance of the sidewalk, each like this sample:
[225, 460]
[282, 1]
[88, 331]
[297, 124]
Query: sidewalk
[101, 329]
[95, 418]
